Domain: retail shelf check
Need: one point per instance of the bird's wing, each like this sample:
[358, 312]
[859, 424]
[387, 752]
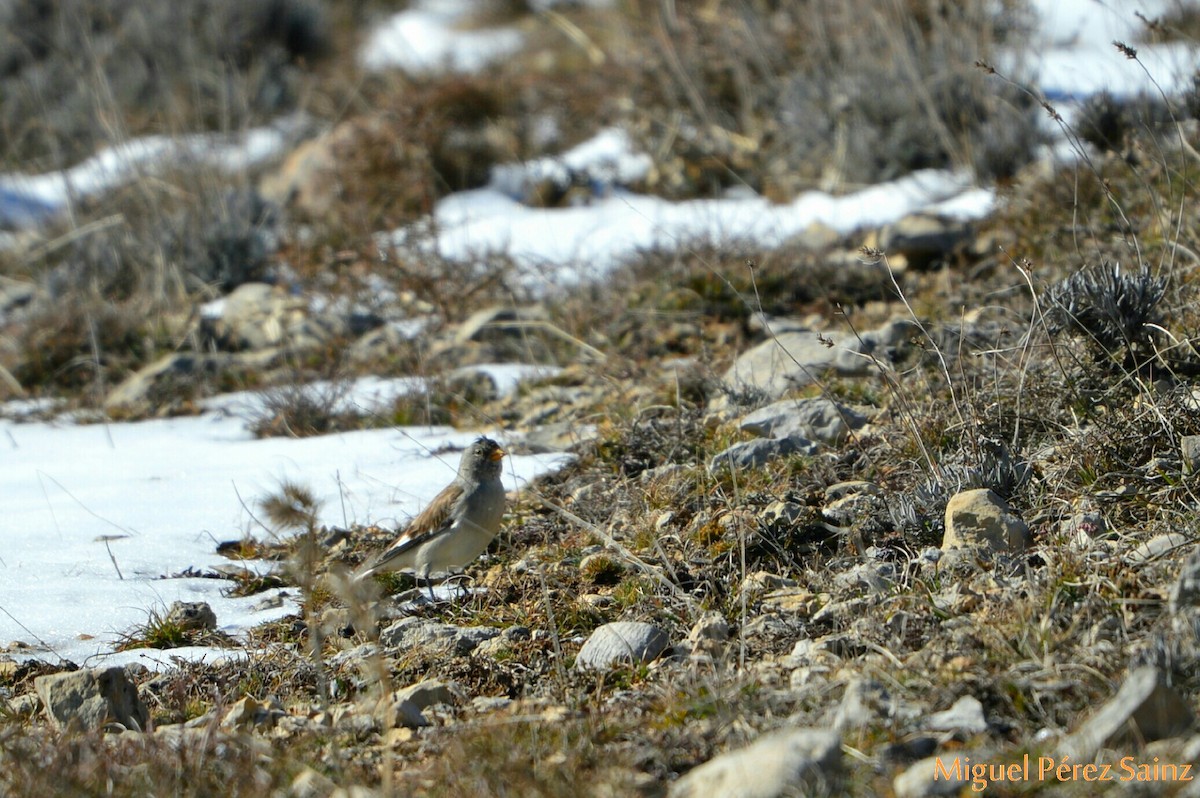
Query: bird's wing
[434, 520]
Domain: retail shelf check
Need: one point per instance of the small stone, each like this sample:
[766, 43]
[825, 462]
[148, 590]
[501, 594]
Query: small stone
[966, 715]
[759, 452]
[416, 633]
[981, 517]
[1159, 546]
[818, 419]
[875, 576]
[711, 626]
[249, 713]
[706, 637]
[865, 701]
[1189, 447]
[791, 360]
[405, 714]
[483, 704]
[1185, 593]
[846, 510]
[621, 642]
[857, 487]
[193, 616]
[788, 762]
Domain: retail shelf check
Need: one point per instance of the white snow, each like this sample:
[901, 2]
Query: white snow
[559, 246]
[605, 160]
[1073, 54]
[426, 38]
[159, 495]
[508, 376]
[431, 35]
[115, 166]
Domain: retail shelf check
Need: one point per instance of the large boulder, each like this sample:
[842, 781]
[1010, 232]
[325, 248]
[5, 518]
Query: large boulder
[92, 699]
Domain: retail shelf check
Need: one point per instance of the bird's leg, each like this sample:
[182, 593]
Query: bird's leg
[428, 583]
[460, 579]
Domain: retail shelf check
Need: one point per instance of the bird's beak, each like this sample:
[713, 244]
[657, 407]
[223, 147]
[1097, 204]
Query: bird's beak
[498, 454]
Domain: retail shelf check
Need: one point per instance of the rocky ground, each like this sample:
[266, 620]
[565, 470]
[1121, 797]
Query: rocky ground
[908, 512]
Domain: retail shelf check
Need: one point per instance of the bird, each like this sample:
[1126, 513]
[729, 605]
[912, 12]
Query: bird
[457, 525]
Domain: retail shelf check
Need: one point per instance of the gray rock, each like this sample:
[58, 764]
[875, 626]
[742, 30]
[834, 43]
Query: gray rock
[784, 514]
[760, 451]
[249, 713]
[762, 323]
[787, 762]
[381, 343]
[1189, 447]
[483, 704]
[92, 698]
[194, 616]
[865, 701]
[848, 509]
[706, 638]
[712, 626]
[792, 360]
[935, 775]
[310, 177]
[621, 642]
[817, 418]
[502, 645]
[1159, 546]
[254, 316]
[362, 725]
[426, 693]
[966, 715]
[854, 487]
[559, 436]
[980, 517]
[166, 380]
[1146, 708]
[402, 713]
[1185, 593]
[924, 237]
[417, 633]
[874, 575]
